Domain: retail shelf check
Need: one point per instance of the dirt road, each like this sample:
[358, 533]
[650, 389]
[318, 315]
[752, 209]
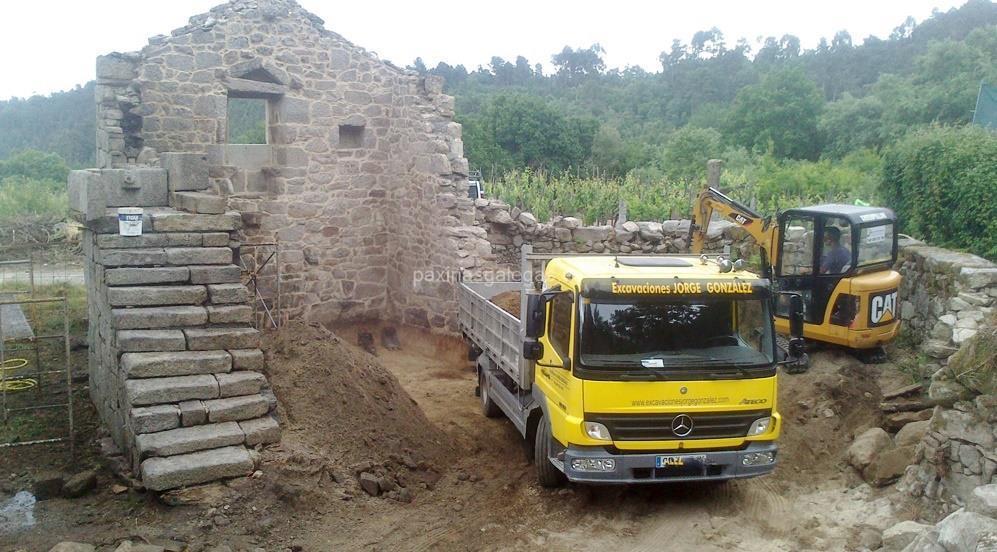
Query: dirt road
[475, 489]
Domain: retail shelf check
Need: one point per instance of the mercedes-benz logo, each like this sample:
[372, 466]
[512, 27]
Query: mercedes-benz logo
[682, 425]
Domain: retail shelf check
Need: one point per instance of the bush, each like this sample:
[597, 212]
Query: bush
[942, 182]
[20, 196]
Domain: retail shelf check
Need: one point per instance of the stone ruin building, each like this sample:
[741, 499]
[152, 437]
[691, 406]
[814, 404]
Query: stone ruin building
[360, 177]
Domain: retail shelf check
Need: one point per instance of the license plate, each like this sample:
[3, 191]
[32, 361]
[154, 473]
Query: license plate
[683, 463]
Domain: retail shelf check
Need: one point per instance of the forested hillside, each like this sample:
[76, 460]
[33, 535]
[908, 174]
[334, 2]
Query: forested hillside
[793, 125]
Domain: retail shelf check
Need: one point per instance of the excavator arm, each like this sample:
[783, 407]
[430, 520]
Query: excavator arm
[713, 200]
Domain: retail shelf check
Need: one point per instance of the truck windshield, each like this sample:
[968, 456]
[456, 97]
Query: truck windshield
[695, 334]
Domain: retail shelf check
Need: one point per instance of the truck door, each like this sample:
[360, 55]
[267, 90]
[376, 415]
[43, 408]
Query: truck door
[554, 368]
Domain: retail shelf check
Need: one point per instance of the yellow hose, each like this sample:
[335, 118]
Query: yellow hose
[14, 385]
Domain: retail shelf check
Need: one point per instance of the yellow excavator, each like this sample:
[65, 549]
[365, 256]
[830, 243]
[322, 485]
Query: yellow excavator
[838, 258]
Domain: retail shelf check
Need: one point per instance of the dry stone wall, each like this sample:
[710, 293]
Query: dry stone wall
[176, 371]
[946, 297]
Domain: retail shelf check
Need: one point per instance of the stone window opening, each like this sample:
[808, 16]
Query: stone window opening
[248, 120]
[351, 136]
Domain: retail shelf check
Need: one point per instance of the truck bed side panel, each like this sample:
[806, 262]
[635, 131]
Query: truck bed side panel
[493, 330]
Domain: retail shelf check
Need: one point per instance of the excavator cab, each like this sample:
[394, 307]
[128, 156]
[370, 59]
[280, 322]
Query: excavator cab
[839, 258]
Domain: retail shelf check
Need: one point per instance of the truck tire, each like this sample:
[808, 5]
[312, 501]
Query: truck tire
[547, 474]
[488, 406]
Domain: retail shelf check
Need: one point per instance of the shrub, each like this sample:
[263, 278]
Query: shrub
[942, 182]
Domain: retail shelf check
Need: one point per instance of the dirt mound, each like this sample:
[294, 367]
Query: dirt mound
[344, 412]
[509, 301]
[822, 409]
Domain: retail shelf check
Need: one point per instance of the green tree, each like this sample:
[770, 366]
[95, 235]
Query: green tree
[778, 115]
[686, 152]
[35, 165]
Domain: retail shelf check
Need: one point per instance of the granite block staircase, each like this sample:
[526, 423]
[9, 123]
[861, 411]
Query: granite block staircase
[175, 364]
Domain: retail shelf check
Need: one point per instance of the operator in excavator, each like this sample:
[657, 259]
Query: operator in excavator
[836, 256]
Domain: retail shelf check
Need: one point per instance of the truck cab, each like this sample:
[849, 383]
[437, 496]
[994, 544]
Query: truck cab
[644, 370]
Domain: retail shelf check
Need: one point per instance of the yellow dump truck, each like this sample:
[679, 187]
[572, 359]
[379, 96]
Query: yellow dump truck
[632, 369]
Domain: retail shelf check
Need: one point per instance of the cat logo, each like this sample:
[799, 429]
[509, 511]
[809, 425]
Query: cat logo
[740, 219]
[883, 308]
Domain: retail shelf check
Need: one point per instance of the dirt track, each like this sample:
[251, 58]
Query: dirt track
[479, 491]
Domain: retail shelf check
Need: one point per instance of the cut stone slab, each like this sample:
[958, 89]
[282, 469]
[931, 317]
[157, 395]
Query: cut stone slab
[239, 383]
[215, 239]
[172, 239]
[151, 340]
[150, 419]
[261, 431]
[174, 363]
[230, 314]
[139, 276]
[150, 391]
[131, 257]
[159, 317]
[211, 274]
[193, 413]
[247, 359]
[177, 221]
[159, 474]
[236, 408]
[228, 293]
[198, 255]
[203, 339]
[199, 202]
[185, 171]
[189, 439]
[144, 296]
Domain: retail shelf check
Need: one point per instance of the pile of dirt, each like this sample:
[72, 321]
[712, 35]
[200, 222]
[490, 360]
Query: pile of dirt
[343, 411]
[509, 301]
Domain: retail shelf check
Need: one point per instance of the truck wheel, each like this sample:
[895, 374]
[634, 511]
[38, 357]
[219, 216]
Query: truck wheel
[547, 474]
[488, 406]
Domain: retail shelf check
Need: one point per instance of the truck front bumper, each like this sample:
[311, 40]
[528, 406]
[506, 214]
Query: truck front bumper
[640, 468]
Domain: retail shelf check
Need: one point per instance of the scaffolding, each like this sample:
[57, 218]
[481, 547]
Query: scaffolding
[266, 311]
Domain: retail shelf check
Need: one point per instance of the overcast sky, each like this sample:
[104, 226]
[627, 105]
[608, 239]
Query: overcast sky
[49, 45]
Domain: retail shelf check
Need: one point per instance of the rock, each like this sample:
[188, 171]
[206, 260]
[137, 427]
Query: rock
[570, 223]
[527, 219]
[983, 501]
[912, 433]
[888, 465]
[47, 485]
[369, 483]
[870, 538]
[962, 530]
[899, 536]
[947, 391]
[67, 546]
[975, 363]
[896, 422]
[80, 484]
[867, 446]
[963, 426]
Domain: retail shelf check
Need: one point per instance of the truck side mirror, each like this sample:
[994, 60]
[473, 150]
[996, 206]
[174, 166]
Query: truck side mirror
[536, 316]
[533, 350]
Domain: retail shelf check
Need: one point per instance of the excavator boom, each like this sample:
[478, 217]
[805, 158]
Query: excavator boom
[713, 200]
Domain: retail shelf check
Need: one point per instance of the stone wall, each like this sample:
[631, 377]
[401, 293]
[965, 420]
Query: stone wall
[945, 297]
[361, 176]
[175, 367]
[508, 228]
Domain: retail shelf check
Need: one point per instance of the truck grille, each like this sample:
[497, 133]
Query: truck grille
[658, 427]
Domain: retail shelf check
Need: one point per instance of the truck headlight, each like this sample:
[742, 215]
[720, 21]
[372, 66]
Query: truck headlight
[596, 431]
[761, 425]
[593, 464]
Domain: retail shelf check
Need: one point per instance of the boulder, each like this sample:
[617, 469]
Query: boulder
[974, 365]
[67, 546]
[983, 501]
[962, 530]
[370, 484]
[888, 465]
[868, 446]
[47, 485]
[899, 536]
[80, 484]
[912, 433]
